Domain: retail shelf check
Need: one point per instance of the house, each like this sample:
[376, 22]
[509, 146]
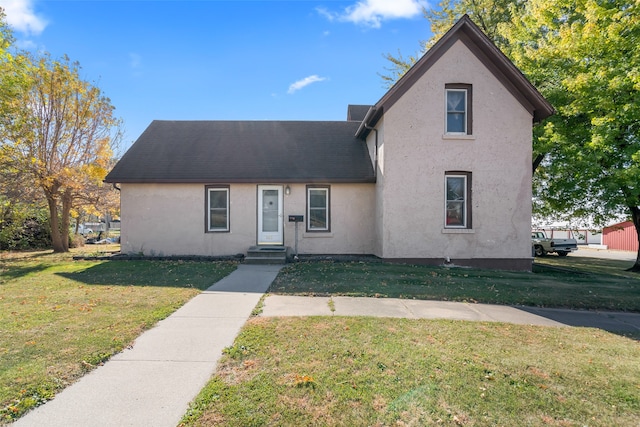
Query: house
[438, 170]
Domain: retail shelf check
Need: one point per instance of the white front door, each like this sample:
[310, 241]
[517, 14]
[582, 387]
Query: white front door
[270, 217]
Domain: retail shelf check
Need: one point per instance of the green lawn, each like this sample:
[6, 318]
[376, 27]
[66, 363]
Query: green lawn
[60, 318]
[337, 371]
[590, 265]
[580, 284]
[341, 371]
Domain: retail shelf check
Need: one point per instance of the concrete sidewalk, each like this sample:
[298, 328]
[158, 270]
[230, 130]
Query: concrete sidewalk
[152, 383]
[278, 305]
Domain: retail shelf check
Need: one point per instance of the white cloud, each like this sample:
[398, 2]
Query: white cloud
[371, 13]
[324, 12]
[21, 16]
[305, 82]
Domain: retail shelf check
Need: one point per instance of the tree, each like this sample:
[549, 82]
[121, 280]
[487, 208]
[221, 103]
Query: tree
[487, 14]
[12, 77]
[6, 40]
[59, 137]
[20, 202]
[97, 199]
[583, 56]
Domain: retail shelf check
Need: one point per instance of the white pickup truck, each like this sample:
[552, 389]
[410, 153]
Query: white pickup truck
[543, 245]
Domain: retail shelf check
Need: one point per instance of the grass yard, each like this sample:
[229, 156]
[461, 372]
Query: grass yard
[582, 283]
[597, 266]
[60, 318]
[337, 371]
[341, 371]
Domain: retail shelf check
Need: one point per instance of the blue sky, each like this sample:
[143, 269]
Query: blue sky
[225, 60]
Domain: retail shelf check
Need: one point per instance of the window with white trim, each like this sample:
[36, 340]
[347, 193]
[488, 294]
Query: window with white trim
[458, 109]
[318, 218]
[217, 209]
[457, 200]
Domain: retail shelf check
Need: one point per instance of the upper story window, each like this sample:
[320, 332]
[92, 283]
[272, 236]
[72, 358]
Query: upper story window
[458, 109]
[318, 208]
[217, 209]
[457, 200]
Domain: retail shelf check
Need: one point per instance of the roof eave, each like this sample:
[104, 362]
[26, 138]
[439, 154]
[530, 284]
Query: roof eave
[364, 127]
[363, 180]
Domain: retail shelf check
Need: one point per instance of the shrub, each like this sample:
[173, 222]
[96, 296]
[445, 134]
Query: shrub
[76, 240]
[24, 227]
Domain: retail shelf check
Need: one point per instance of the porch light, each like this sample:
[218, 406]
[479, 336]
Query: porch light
[287, 190]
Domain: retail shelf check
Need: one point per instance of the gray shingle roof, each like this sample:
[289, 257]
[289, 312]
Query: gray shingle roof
[357, 112]
[245, 151]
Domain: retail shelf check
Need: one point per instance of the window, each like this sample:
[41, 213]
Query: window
[458, 108]
[318, 208]
[458, 200]
[217, 209]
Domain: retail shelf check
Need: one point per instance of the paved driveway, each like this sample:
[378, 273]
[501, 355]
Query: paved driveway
[584, 251]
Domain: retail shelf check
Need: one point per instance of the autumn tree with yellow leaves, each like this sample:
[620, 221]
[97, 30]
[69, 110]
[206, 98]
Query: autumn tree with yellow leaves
[58, 138]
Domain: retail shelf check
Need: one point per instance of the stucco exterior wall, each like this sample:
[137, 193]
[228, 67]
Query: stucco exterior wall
[417, 153]
[169, 219]
[352, 222]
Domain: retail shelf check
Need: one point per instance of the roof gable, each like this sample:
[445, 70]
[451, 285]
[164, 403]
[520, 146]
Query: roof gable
[466, 31]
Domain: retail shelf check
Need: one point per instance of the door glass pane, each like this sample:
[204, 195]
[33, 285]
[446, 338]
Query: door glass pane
[270, 210]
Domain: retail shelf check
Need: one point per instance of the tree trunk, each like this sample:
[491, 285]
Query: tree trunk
[537, 161]
[59, 220]
[65, 221]
[635, 216]
[54, 222]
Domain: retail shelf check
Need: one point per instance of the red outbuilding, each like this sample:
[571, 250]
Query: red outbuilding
[621, 237]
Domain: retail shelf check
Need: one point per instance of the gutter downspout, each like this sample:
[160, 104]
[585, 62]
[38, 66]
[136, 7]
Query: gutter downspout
[115, 187]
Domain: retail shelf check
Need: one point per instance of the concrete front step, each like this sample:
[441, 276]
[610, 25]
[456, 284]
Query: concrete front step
[264, 260]
[266, 255]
